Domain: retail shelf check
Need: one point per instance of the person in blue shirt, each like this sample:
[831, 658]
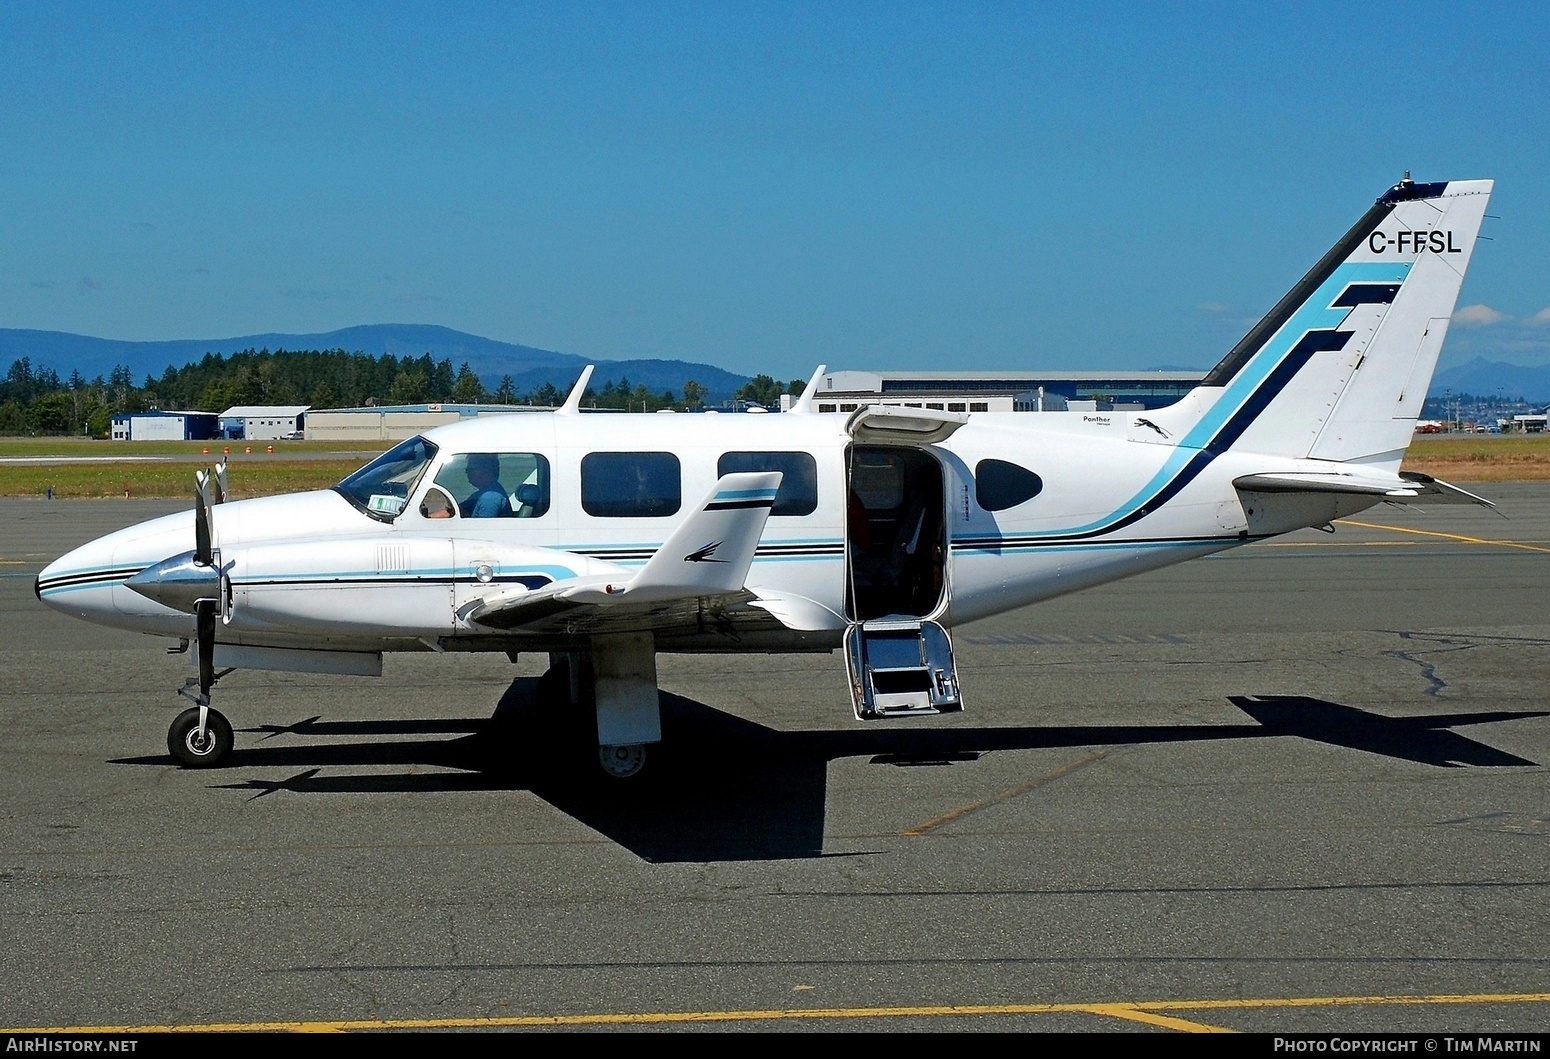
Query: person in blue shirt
[489, 499]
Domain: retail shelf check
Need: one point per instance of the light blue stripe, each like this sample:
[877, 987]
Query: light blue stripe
[1315, 314]
[1082, 546]
[100, 585]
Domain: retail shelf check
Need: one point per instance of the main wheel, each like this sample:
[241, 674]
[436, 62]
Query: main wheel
[622, 761]
[191, 750]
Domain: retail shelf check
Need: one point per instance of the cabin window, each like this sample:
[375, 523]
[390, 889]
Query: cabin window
[631, 484]
[382, 487]
[877, 479]
[497, 484]
[798, 493]
[999, 485]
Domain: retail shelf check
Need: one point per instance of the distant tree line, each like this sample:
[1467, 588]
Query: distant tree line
[37, 401]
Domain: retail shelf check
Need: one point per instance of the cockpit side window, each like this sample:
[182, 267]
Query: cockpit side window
[497, 484]
[437, 504]
[381, 488]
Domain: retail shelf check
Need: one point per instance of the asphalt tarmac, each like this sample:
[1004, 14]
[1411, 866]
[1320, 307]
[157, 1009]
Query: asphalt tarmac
[1299, 787]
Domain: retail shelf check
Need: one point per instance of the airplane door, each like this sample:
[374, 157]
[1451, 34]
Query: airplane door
[900, 661]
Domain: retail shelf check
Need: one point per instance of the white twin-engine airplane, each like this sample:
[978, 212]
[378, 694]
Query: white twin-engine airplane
[604, 539]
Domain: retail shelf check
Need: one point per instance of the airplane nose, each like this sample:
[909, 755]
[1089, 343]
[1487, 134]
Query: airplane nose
[80, 583]
[178, 582]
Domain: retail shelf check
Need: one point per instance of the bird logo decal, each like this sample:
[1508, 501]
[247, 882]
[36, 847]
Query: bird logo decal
[703, 555]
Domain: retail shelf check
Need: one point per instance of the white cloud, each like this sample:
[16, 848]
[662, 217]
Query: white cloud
[1541, 317]
[1478, 316]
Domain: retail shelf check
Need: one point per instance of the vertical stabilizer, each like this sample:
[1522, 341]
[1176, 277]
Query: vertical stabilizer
[1339, 368]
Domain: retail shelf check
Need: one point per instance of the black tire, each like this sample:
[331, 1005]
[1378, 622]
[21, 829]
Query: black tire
[184, 745]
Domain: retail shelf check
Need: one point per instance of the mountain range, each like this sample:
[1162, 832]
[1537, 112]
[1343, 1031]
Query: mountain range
[491, 360]
[530, 368]
[1494, 378]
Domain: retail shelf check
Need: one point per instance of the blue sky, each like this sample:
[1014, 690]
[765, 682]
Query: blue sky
[764, 187]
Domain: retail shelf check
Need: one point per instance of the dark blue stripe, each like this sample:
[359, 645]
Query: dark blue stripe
[727, 505]
[1366, 294]
[1310, 343]
[1409, 191]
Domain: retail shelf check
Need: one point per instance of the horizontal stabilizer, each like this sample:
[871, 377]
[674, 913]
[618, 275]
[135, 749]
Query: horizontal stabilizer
[1438, 492]
[1405, 487]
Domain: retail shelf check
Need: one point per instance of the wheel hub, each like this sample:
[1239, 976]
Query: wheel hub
[622, 760]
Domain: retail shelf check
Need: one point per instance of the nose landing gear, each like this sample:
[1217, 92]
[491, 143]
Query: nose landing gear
[199, 742]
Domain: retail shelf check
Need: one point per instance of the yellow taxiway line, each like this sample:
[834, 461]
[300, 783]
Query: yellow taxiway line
[1154, 1013]
[1446, 536]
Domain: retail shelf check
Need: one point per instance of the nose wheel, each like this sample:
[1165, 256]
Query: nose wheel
[197, 745]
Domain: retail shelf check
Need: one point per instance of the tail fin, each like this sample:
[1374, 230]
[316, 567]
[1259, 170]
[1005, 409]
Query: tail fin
[1338, 370]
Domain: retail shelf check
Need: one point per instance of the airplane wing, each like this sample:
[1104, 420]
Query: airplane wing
[696, 576]
[1407, 487]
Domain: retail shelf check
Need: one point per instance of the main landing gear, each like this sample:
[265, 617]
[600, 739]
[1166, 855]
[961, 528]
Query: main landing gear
[618, 699]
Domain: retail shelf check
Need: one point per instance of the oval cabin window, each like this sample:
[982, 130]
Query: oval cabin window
[999, 485]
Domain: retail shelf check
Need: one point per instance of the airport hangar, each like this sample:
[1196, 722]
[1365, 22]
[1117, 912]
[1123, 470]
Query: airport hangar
[157, 425]
[838, 391]
[269, 422]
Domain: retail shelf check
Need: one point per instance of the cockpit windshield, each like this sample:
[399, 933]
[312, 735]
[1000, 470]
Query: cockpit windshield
[382, 487]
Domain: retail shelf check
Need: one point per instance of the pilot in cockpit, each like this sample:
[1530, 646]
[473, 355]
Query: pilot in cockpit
[489, 499]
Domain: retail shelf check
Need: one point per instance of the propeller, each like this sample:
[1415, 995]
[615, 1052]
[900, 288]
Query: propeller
[204, 531]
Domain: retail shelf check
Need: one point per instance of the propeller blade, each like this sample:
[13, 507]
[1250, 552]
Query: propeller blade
[220, 482]
[203, 544]
[204, 614]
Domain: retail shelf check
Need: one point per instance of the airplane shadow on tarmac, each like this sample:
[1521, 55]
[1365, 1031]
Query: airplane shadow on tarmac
[720, 788]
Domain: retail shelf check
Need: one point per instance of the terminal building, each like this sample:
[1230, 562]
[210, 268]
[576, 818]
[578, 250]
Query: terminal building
[985, 391]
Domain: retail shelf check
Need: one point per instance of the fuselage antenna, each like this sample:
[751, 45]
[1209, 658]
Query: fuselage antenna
[572, 405]
[805, 402]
